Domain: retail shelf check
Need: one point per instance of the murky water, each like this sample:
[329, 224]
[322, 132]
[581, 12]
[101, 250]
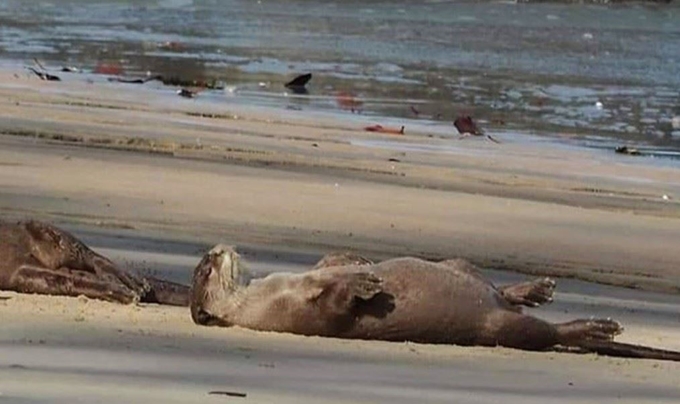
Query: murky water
[600, 72]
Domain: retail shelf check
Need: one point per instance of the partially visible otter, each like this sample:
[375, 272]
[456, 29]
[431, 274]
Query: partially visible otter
[402, 299]
[40, 258]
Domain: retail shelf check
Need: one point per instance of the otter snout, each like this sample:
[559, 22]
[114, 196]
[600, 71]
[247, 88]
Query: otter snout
[202, 317]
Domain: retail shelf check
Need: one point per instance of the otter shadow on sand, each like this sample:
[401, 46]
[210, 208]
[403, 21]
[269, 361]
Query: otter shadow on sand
[402, 299]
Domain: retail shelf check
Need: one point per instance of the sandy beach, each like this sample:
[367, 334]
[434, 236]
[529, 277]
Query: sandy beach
[153, 180]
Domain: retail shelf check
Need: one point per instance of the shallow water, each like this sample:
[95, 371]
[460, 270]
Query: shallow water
[600, 72]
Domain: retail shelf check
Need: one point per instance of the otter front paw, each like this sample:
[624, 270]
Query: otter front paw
[365, 285]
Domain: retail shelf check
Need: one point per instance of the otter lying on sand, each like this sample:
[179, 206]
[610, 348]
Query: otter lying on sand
[402, 299]
[40, 258]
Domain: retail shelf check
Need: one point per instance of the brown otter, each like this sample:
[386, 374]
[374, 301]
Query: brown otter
[402, 299]
[40, 258]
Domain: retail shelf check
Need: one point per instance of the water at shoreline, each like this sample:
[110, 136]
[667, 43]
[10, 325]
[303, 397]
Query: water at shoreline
[608, 74]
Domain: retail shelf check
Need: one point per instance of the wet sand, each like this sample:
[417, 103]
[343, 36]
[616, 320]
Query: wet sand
[153, 180]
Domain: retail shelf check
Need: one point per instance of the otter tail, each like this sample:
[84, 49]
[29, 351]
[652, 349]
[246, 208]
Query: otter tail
[622, 350]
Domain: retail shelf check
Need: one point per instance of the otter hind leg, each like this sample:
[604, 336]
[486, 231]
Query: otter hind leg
[515, 330]
[102, 267]
[531, 294]
[33, 279]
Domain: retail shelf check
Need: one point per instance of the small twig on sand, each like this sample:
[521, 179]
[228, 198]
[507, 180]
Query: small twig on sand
[631, 151]
[226, 393]
[493, 139]
[187, 93]
[383, 129]
[37, 62]
[135, 80]
[43, 75]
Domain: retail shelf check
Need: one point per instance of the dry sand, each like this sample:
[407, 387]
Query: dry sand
[152, 180]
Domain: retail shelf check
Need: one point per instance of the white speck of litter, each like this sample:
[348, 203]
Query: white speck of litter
[665, 197]
[598, 105]
[675, 122]
[587, 35]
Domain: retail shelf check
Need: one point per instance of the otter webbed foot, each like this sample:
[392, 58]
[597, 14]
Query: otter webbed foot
[531, 294]
[574, 332]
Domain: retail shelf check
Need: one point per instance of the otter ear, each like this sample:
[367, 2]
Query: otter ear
[211, 270]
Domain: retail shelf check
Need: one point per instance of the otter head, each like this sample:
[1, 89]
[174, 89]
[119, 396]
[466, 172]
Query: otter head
[47, 245]
[216, 278]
